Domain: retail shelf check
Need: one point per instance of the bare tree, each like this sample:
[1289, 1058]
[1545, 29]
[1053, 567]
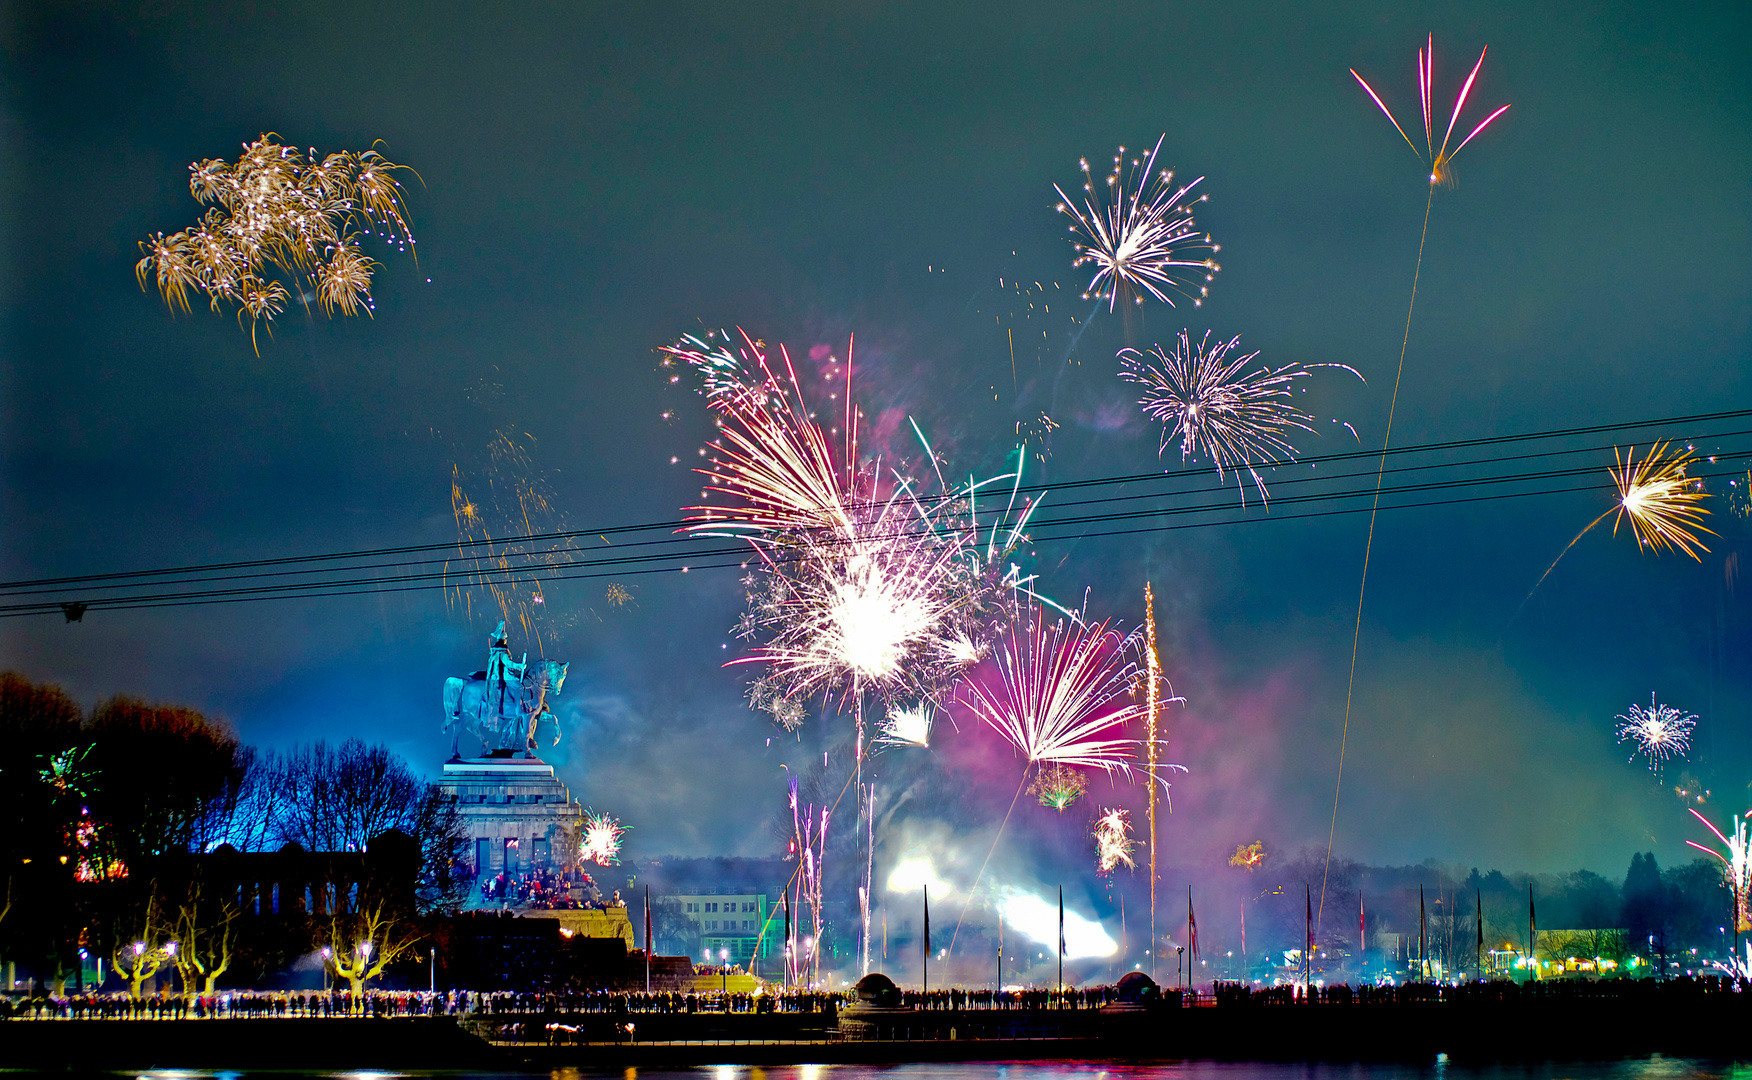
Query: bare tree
[203, 924]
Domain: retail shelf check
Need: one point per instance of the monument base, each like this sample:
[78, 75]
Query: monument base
[521, 821]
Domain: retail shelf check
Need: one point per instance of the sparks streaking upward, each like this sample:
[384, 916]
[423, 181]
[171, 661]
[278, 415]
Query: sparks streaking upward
[1239, 419]
[1437, 157]
[602, 840]
[1736, 865]
[1658, 732]
[1656, 498]
[1140, 237]
[1113, 841]
[906, 725]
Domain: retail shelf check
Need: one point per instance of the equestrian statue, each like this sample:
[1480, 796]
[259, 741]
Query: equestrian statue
[505, 706]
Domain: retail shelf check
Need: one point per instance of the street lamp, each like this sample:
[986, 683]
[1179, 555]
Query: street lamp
[327, 955]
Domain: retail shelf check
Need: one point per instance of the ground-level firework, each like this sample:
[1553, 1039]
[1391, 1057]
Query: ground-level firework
[1736, 865]
[1113, 840]
[602, 839]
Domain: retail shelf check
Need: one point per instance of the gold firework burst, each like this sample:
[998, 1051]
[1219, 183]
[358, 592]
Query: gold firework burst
[1659, 500]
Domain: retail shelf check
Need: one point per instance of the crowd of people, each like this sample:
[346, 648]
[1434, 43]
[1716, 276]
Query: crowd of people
[387, 1003]
[547, 890]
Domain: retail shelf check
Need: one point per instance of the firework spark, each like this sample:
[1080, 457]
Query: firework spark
[1438, 158]
[906, 726]
[1058, 786]
[1736, 865]
[1238, 419]
[277, 212]
[1657, 732]
[809, 841]
[1248, 856]
[1657, 499]
[864, 584]
[1140, 237]
[1113, 841]
[602, 839]
[1057, 695]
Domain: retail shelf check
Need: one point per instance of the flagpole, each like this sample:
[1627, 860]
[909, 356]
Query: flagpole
[1061, 941]
[647, 938]
[925, 971]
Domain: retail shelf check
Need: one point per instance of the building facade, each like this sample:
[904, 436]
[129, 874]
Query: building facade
[520, 818]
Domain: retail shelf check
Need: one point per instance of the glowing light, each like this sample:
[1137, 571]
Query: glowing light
[1238, 419]
[601, 843]
[1657, 732]
[1036, 919]
[1140, 237]
[1113, 841]
[915, 874]
[1436, 157]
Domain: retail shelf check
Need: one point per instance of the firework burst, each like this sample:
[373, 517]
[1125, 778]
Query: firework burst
[1140, 235]
[1058, 786]
[1113, 841]
[864, 583]
[1436, 157]
[1238, 419]
[1248, 856]
[1656, 498]
[279, 214]
[602, 839]
[1058, 692]
[1657, 732]
[907, 725]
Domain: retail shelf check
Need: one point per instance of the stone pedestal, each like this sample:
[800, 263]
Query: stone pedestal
[520, 818]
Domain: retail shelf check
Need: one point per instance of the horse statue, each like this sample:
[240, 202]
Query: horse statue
[505, 706]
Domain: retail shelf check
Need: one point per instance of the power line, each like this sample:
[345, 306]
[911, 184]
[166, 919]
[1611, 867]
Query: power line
[10, 587]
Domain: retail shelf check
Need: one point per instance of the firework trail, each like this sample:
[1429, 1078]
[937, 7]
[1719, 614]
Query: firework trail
[1140, 236]
[1058, 786]
[1736, 866]
[1113, 841]
[602, 839]
[510, 500]
[1436, 157]
[1657, 500]
[1657, 732]
[1438, 160]
[809, 835]
[1238, 419]
[277, 212]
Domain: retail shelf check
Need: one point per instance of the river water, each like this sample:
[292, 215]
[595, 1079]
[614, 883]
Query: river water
[1650, 1068]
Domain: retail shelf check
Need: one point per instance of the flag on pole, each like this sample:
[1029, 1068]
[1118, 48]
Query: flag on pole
[1191, 931]
[1478, 910]
[925, 979]
[1532, 932]
[1423, 966]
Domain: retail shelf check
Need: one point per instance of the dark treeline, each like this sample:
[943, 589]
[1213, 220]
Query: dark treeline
[1657, 915]
[132, 830]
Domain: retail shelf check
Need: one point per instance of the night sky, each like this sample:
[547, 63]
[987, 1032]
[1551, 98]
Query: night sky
[600, 179]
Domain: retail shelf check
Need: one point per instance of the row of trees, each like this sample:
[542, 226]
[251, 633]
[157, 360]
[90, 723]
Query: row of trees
[132, 827]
